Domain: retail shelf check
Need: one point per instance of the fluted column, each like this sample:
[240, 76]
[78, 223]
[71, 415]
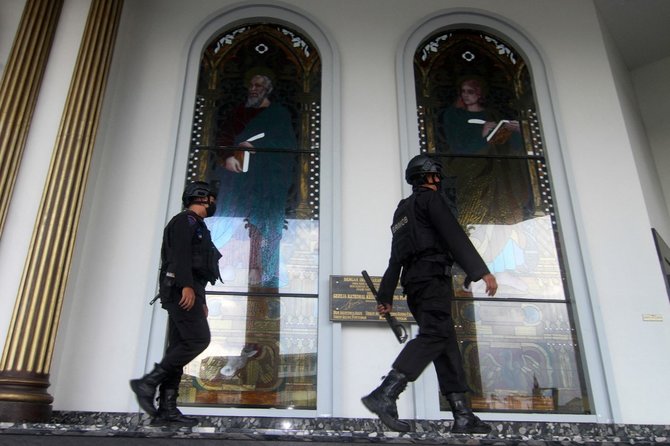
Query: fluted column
[20, 84]
[28, 352]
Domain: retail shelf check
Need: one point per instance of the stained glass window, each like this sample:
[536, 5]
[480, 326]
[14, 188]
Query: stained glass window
[256, 139]
[476, 113]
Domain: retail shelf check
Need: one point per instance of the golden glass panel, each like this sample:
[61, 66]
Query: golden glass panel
[262, 354]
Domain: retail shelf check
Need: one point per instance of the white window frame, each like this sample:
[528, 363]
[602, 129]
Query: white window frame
[426, 388]
[329, 252]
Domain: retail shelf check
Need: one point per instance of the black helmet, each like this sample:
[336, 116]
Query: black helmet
[419, 166]
[196, 189]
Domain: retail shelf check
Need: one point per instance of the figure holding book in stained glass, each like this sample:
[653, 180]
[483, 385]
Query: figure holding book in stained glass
[471, 128]
[255, 180]
[484, 190]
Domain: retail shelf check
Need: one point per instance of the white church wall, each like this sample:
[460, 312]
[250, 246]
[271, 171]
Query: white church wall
[616, 203]
[10, 16]
[104, 329]
[646, 164]
[652, 90]
[657, 217]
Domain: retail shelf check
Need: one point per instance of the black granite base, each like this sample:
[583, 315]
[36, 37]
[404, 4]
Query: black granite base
[135, 429]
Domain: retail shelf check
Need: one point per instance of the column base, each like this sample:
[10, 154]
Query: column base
[19, 411]
[24, 397]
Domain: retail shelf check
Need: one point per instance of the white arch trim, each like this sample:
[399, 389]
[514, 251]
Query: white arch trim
[329, 253]
[588, 321]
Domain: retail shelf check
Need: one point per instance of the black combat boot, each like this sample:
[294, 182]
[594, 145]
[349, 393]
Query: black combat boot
[145, 388]
[168, 414]
[382, 401]
[465, 422]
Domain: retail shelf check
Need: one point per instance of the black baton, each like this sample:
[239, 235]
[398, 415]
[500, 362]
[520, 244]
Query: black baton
[398, 329]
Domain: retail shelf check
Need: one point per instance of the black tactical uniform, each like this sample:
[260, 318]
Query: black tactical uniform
[426, 281]
[427, 240]
[189, 259]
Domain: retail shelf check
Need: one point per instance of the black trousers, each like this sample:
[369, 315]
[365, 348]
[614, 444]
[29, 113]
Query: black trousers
[430, 304]
[188, 334]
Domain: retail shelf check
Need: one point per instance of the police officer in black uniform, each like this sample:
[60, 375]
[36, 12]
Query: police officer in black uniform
[189, 260]
[427, 240]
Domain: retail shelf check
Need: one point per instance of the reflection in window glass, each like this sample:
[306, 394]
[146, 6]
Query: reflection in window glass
[263, 244]
[500, 203]
[519, 356]
[297, 255]
[262, 354]
[476, 113]
[523, 258]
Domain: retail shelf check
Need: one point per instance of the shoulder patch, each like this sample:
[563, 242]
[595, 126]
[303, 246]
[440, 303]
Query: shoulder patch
[397, 226]
[191, 220]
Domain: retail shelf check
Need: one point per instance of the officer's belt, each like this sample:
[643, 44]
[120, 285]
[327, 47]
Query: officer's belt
[435, 262]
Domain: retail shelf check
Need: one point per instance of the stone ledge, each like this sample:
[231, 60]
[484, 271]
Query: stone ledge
[331, 430]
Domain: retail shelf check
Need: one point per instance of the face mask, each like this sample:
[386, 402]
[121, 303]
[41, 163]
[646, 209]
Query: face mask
[211, 209]
[432, 182]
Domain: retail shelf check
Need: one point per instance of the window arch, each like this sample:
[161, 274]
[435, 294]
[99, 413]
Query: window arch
[293, 65]
[256, 138]
[467, 83]
[282, 307]
[475, 109]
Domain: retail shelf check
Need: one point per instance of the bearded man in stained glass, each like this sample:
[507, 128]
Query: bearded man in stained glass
[258, 189]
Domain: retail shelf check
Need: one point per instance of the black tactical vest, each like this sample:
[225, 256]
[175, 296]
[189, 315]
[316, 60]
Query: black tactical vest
[413, 238]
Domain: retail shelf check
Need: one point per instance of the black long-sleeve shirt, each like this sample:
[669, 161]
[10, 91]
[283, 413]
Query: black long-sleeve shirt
[185, 239]
[432, 214]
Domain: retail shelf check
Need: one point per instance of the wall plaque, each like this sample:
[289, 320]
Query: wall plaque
[352, 301]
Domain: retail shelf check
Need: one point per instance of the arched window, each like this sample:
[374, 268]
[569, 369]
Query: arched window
[477, 114]
[256, 138]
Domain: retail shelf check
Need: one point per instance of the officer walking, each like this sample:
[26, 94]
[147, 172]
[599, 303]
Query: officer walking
[427, 240]
[189, 260]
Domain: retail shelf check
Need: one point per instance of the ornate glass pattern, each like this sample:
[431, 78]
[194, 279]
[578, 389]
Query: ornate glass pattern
[476, 112]
[262, 354]
[256, 139]
[520, 356]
